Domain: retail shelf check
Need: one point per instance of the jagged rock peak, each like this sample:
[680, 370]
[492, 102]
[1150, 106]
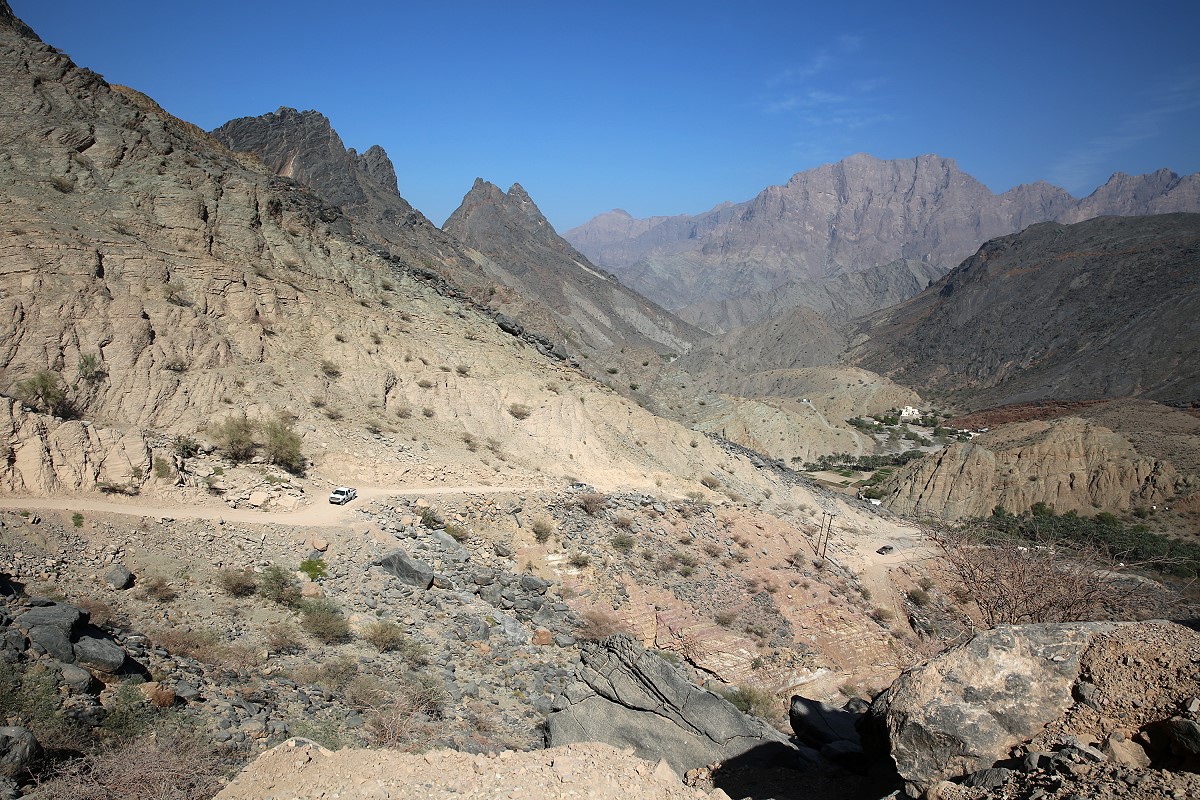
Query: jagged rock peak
[14, 23]
[515, 206]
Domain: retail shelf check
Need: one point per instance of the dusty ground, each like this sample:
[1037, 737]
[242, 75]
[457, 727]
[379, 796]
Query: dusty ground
[299, 770]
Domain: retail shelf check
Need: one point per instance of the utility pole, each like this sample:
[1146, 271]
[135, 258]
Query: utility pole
[825, 532]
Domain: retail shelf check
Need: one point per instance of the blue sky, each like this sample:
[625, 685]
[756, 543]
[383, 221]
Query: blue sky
[672, 107]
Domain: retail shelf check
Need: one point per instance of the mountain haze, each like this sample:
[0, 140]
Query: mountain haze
[859, 213]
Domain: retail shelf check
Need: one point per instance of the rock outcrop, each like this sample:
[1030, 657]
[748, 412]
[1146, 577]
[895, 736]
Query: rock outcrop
[1098, 309]
[1069, 464]
[629, 697]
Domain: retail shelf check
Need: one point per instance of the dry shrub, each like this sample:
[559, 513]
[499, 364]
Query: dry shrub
[412, 719]
[162, 766]
[520, 411]
[157, 588]
[624, 521]
[596, 624]
[386, 636]
[205, 645]
[323, 620]
[1015, 581]
[283, 637]
[543, 528]
[100, 612]
[752, 700]
[710, 482]
[593, 502]
[237, 582]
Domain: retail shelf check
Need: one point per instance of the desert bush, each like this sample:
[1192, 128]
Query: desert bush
[593, 502]
[90, 368]
[579, 560]
[725, 618]
[710, 482]
[330, 370]
[281, 444]
[752, 700]
[463, 369]
[29, 697]
[385, 636]
[425, 383]
[428, 413]
[520, 411]
[323, 620]
[185, 446]
[624, 521]
[595, 625]
[77, 519]
[44, 391]
[413, 719]
[622, 542]
[404, 411]
[234, 436]
[157, 588]
[283, 637]
[279, 586]
[918, 597]
[543, 528]
[99, 612]
[62, 183]
[236, 582]
[165, 764]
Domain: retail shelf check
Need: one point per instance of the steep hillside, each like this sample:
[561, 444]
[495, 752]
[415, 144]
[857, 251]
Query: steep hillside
[1069, 464]
[859, 213]
[1103, 308]
[517, 247]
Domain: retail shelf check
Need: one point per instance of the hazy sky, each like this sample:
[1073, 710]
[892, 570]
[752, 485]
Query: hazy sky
[672, 107]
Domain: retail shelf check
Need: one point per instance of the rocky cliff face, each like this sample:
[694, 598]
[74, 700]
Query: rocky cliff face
[1103, 308]
[849, 216]
[519, 248]
[1069, 464]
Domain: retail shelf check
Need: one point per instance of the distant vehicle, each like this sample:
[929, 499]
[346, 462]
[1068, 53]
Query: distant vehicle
[343, 495]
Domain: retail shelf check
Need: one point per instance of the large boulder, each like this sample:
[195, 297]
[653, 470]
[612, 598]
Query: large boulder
[18, 751]
[406, 569]
[966, 709]
[629, 697]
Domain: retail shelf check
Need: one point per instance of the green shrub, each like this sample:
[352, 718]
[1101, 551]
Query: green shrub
[323, 620]
[77, 519]
[90, 368]
[281, 444]
[580, 560]
[162, 467]
[185, 446]
[918, 597]
[623, 542]
[44, 392]
[279, 586]
[314, 568]
[593, 503]
[235, 438]
[751, 700]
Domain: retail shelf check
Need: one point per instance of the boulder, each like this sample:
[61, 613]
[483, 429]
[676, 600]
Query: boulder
[19, 750]
[408, 570]
[58, 615]
[629, 697]
[119, 577]
[966, 709]
[101, 655]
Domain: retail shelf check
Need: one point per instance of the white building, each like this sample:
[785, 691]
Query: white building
[908, 412]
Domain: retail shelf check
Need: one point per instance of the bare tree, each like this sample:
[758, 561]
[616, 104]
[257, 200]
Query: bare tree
[1014, 581]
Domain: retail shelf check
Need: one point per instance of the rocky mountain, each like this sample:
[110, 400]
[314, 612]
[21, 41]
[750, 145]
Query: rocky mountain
[859, 213]
[1102, 308]
[518, 248]
[303, 146]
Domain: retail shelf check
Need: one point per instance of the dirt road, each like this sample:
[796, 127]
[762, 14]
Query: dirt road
[317, 514]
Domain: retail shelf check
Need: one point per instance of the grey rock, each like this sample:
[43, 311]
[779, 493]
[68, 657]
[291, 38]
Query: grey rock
[966, 709]
[76, 678]
[53, 641]
[58, 615]
[502, 549]
[633, 698]
[99, 654]
[991, 778]
[532, 583]
[118, 577]
[19, 751]
[408, 571]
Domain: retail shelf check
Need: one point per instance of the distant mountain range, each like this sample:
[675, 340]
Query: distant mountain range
[725, 267]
